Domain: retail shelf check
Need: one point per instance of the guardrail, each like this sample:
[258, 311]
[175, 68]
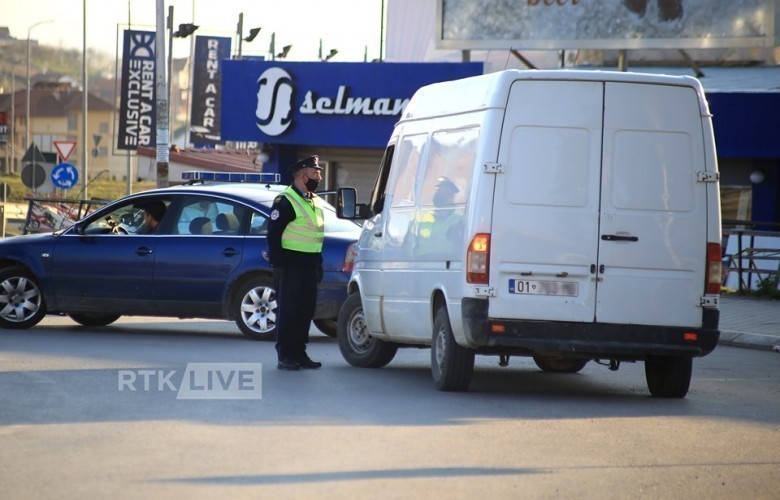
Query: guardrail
[752, 254]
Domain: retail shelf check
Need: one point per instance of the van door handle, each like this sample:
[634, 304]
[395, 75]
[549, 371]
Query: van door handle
[617, 237]
[143, 251]
[230, 252]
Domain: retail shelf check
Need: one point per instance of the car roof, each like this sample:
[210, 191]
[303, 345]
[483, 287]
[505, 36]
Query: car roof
[257, 192]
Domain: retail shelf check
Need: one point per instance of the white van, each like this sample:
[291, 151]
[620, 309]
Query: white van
[570, 216]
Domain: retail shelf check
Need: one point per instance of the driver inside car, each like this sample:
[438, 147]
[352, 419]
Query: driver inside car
[154, 211]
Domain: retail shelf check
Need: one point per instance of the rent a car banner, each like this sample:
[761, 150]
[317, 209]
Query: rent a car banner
[327, 104]
[210, 51]
[137, 107]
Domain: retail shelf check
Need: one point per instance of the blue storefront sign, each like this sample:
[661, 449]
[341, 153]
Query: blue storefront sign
[351, 105]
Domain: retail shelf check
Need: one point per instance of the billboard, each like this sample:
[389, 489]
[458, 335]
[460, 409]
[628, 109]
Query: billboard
[605, 24]
[137, 106]
[210, 51]
[323, 103]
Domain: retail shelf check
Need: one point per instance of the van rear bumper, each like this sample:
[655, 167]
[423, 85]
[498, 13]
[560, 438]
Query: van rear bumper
[586, 340]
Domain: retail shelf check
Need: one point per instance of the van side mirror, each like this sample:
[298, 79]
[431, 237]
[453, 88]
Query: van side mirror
[347, 206]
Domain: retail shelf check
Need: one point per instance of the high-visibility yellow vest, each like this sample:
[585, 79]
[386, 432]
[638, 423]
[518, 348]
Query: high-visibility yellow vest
[307, 231]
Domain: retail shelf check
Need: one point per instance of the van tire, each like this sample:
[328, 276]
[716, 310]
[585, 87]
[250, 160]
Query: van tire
[357, 346]
[668, 376]
[560, 365]
[452, 366]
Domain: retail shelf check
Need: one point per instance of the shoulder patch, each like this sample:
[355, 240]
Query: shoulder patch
[278, 199]
[275, 215]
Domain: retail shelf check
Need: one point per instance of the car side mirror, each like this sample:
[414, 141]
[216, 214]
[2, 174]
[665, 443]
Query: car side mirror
[347, 206]
[78, 228]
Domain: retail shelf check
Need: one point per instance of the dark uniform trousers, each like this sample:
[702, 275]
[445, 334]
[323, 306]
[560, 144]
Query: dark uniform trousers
[297, 298]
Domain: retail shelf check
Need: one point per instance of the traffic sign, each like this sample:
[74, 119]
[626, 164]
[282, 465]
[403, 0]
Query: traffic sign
[64, 176]
[65, 148]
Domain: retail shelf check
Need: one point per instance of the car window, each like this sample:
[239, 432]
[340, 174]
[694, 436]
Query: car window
[258, 224]
[127, 218]
[202, 216]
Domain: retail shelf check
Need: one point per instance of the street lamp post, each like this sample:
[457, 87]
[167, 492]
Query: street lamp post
[27, 115]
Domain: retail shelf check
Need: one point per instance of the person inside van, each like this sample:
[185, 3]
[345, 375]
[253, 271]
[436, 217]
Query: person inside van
[440, 227]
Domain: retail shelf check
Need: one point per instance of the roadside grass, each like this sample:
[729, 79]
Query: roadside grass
[98, 188]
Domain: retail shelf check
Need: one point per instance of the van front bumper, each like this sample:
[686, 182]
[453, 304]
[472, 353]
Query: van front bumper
[585, 340]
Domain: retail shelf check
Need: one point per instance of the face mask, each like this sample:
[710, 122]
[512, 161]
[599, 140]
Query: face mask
[312, 185]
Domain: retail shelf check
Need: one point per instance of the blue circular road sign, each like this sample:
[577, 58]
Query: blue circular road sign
[64, 176]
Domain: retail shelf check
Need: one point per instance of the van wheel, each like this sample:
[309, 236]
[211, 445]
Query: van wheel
[357, 346]
[451, 365]
[21, 299]
[668, 376]
[559, 365]
[255, 308]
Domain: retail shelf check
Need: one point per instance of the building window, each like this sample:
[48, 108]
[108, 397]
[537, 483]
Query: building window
[104, 128]
[73, 122]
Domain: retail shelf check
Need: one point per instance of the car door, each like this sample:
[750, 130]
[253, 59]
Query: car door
[108, 268]
[194, 263]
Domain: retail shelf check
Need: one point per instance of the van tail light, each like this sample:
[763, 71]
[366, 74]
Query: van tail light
[714, 260]
[478, 259]
[349, 258]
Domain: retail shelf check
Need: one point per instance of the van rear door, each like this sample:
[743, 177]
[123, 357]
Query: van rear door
[588, 232]
[546, 204]
[653, 219]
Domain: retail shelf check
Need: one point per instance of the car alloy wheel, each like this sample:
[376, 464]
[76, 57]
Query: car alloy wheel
[21, 300]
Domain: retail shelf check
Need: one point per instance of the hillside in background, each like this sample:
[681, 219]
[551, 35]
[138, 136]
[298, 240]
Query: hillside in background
[47, 60]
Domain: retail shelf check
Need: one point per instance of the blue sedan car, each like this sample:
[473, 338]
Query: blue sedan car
[207, 259]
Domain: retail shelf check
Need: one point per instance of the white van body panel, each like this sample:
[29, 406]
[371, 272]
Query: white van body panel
[588, 183]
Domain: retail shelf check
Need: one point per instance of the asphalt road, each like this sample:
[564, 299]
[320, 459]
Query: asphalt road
[68, 431]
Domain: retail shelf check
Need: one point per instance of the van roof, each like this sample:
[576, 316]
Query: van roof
[478, 93]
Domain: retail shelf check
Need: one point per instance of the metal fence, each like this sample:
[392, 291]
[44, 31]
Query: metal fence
[751, 253]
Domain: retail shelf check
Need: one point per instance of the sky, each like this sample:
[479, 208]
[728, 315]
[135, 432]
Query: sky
[348, 26]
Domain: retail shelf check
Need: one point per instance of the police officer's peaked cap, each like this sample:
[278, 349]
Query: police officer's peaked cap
[444, 184]
[312, 161]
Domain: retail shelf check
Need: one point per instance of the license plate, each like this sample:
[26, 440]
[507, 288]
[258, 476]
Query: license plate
[536, 287]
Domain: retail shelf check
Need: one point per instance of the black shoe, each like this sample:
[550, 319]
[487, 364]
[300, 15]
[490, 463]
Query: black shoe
[305, 362]
[288, 364]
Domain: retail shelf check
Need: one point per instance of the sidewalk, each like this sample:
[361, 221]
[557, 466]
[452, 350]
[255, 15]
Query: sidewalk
[749, 322]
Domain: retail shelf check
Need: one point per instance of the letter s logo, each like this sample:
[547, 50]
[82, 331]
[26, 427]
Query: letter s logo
[275, 93]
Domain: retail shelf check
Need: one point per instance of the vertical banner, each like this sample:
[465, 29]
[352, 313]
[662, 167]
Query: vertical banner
[206, 116]
[3, 128]
[137, 107]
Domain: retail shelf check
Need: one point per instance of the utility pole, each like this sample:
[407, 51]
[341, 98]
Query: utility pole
[84, 106]
[163, 151]
[240, 32]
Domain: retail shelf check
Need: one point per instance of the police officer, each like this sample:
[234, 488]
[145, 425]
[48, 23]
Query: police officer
[295, 234]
